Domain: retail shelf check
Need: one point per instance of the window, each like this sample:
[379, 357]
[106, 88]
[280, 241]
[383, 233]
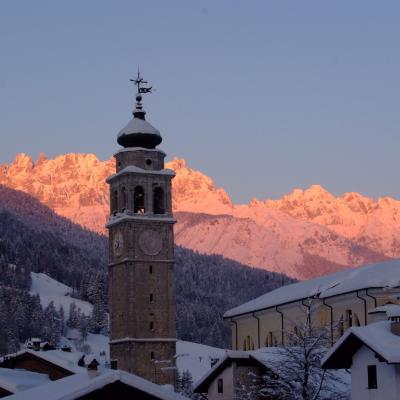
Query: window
[349, 318]
[151, 325]
[220, 384]
[138, 200]
[158, 201]
[149, 162]
[114, 201]
[124, 203]
[150, 269]
[372, 379]
[341, 327]
[152, 355]
[270, 340]
[151, 297]
[248, 344]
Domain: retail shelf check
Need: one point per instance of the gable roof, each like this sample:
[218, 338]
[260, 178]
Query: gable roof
[63, 360]
[377, 337]
[79, 385]
[15, 380]
[386, 274]
[259, 357]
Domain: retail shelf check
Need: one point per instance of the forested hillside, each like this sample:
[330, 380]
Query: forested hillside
[33, 238]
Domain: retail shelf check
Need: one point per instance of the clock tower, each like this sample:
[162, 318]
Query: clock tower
[141, 267]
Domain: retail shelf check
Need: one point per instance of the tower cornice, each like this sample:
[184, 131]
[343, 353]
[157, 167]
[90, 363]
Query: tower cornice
[123, 217]
[133, 169]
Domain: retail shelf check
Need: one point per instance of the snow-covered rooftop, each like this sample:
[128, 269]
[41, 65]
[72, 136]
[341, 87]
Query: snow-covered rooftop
[137, 125]
[16, 380]
[65, 360]
[138, 170]
[377, 336]
[75, 386]
[386, 274]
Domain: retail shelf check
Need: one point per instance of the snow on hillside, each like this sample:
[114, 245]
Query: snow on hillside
[51, 290]
[196, 358]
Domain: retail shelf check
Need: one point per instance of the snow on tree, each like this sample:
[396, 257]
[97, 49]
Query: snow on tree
[184, 385]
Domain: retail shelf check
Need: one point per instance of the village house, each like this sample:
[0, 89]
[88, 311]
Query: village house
[373, 354]
[337, 301]
[58, 374]
[100, 385]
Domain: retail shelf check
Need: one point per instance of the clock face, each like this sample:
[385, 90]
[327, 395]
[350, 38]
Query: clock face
[150, 242]
[118, 244]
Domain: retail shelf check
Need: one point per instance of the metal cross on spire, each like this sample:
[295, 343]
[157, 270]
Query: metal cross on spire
[140, 81]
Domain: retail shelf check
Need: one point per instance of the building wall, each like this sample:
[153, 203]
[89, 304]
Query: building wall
[228, 394]
[141, 268]
[270, 320]
[387, 377]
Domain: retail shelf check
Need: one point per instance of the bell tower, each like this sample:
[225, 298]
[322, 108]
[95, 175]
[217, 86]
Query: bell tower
[141, 267]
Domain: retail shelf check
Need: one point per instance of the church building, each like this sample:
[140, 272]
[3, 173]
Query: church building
[141, 267]
[339, 301]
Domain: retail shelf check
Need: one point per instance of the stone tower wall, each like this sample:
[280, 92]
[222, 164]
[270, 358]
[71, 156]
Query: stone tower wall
[141, 269]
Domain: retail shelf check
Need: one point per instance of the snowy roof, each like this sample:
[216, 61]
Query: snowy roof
[62, 359]
[16, 380]
[138, 170]
[392, 310]
[376, 336]
[196, 358]
[137, 125]
[79, 385]
[385, 274]
[386, 309]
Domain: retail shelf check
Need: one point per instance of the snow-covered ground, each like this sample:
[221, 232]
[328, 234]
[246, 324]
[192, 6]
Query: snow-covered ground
[193, 357]
[196, 358]
[51, 290]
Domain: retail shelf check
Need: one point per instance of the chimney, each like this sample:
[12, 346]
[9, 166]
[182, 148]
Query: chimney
[393, 313]
[92, 368]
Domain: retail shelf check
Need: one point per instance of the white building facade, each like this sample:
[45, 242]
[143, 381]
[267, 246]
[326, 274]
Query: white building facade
[373, 354]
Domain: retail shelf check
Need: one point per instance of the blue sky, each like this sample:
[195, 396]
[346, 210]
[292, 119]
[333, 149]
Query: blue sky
[263, 96]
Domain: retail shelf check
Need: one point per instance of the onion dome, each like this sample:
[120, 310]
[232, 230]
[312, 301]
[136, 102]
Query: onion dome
[138, 132]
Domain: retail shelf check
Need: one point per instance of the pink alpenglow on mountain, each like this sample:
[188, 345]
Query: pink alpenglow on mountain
[305, 234]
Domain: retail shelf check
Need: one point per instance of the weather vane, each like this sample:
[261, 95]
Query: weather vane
[138, 82]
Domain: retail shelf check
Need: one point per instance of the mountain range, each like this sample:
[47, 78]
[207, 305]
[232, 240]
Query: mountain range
[304, 234]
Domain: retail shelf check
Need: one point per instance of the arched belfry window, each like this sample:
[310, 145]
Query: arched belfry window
[270, 340]
[124, 198]
[138, 200]
[248, 344]
[158, 201]
[114, 201]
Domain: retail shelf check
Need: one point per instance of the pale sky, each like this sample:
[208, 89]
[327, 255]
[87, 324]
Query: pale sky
[263, 96]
